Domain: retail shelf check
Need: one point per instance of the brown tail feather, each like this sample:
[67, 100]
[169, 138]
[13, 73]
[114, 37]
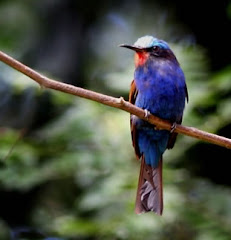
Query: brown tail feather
[149, 193]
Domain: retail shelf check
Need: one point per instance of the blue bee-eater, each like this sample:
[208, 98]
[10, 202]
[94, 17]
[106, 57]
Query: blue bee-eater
[158, 87]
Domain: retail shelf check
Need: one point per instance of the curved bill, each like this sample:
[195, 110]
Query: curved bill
[132, 47]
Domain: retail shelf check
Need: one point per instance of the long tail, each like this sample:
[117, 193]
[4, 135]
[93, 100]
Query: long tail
[150, 191]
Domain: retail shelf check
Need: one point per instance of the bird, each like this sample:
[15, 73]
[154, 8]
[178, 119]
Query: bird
[158, 87]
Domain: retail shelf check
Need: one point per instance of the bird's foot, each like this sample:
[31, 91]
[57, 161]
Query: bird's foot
[146, 113]
[157, 128]
[121, 100]
[173, 127]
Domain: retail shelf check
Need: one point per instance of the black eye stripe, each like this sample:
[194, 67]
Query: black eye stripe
[153, 49]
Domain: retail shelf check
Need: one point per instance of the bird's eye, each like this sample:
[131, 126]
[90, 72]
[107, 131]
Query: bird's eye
[156, 49]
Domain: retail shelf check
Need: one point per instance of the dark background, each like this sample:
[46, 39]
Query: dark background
[72, 172]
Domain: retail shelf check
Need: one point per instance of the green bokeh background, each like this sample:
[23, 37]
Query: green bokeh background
[67, 164]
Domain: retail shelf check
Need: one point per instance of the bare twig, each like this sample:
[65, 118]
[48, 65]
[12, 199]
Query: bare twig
[113, 102]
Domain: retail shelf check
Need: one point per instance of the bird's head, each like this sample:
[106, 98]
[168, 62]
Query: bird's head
[149, 47]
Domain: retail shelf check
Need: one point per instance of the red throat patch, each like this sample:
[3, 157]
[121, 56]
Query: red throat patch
[140, 58]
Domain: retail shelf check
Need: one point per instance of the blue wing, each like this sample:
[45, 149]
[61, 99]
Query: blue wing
[150, 191]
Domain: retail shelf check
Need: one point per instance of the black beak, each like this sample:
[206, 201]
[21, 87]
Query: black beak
[132, 47]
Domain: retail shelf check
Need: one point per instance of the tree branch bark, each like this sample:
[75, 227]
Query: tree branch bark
[113, 102]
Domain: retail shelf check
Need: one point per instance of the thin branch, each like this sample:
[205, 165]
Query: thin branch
[113, 102]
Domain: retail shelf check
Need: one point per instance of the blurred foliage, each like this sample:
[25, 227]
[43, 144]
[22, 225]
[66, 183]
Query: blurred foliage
[67, 165]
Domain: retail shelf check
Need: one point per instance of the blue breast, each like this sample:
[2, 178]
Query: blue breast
[161, 90]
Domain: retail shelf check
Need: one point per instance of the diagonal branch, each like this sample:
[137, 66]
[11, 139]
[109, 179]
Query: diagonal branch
[113, 102]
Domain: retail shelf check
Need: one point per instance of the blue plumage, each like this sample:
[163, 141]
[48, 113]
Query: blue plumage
[161, 90]
[159, 87]
[152, 143]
